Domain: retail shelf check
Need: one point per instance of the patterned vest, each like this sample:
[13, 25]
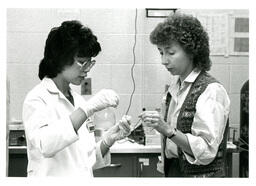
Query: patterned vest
[184, 122]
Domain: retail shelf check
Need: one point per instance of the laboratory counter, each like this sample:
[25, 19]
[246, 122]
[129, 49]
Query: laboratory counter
[124, 147]
[128, 159]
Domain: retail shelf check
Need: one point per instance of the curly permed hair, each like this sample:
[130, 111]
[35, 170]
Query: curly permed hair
[189, 33]
[63, 43]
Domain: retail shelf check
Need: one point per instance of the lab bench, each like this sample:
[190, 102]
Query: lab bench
[140, 161]
[127, 159]
[131, 165]
[132, 160]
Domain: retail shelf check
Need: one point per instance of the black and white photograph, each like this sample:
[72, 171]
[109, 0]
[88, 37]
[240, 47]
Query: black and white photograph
[140, 92]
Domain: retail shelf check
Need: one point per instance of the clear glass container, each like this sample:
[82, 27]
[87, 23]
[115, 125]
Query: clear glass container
[103, 120]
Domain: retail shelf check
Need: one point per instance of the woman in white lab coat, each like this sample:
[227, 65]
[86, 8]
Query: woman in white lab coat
[59, 140]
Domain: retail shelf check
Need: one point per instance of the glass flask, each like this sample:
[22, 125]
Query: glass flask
[103, 120]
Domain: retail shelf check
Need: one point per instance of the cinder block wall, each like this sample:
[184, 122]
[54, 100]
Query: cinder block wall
[27, 30]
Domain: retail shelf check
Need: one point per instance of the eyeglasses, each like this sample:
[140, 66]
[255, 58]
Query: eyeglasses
[87, 65]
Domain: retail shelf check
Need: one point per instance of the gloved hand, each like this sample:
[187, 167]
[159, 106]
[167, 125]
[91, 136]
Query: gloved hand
[103, 99]
[119, 131]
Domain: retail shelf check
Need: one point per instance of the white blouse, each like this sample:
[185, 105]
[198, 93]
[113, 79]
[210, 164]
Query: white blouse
[53, 146]
[212, 110]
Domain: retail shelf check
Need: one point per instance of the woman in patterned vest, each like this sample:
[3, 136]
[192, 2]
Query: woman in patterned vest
[194, 115]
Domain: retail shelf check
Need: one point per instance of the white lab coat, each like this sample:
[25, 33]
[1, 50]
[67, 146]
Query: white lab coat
[53, 146]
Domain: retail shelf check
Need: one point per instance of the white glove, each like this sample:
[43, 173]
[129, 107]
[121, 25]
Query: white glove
[119, 131]
[103, 99]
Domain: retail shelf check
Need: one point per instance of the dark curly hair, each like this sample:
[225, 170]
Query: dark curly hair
[63, 43]
[189, 33]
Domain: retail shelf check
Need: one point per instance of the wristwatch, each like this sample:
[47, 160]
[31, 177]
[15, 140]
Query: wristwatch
[173, 134]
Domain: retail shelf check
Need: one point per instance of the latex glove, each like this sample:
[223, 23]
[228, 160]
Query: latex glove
[119, 131]
[101, 100]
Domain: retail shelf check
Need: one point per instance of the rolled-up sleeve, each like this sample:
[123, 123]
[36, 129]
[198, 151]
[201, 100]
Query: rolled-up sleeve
[47, 135]
[212, 110]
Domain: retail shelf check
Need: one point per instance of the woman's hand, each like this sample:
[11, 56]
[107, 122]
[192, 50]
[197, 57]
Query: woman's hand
[103, 99]
[119, 131]
[153, 119]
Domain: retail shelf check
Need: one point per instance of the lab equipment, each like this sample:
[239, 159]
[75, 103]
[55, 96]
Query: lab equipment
[103, 120]
[137, 135]
[134, 61]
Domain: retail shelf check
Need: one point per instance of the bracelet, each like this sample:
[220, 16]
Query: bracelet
[173, 134]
